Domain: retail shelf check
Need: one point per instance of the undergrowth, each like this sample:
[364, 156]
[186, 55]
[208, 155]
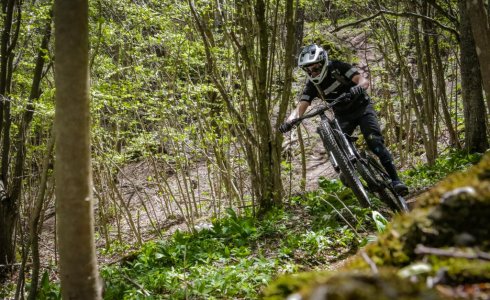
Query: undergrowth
[423, 175]
[237, 256]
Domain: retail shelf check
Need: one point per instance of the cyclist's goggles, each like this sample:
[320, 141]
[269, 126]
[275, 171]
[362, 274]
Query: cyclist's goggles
[313, 68]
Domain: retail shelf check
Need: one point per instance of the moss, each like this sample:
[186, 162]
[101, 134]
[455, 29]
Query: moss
[452, 215]
[396, 246]
[363, 285]
[292, 283]
[454, 271]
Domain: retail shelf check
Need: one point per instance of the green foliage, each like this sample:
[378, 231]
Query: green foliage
[209, 263]
[238, 255]
[48, 290]
[379, 221]
[425, 175]
[333, 203]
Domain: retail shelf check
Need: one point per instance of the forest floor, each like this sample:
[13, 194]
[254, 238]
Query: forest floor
[151, 219]
[146, 216]
[145, 203]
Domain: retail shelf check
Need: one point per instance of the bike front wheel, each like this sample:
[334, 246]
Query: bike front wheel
[346, 168]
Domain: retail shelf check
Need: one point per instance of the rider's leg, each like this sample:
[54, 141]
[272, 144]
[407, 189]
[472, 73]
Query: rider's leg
[372, 133]
[347, 125]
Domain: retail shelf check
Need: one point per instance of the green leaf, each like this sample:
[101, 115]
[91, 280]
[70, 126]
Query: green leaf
[379, 221]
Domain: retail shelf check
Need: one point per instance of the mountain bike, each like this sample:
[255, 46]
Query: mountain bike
[349, 162]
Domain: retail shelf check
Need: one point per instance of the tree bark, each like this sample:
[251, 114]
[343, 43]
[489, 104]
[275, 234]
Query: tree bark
[441, 85]
[299, 27]
[74, 201]
[8, 207]
[36, 222]
[289, 58]
[471, 85]
[267, 163]
[480, 27]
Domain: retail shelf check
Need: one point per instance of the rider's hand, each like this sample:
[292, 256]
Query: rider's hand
[285, 127]
[356, 90]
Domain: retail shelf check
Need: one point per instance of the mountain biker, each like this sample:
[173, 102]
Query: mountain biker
[334, 78]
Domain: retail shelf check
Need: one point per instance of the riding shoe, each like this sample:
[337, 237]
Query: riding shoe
[400, 187]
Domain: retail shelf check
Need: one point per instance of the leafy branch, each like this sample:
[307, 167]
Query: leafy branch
[401, 14]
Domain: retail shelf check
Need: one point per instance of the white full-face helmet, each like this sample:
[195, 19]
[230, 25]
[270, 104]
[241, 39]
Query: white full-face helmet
[313, 59]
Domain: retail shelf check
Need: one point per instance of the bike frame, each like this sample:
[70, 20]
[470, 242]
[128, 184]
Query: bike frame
[350, 157]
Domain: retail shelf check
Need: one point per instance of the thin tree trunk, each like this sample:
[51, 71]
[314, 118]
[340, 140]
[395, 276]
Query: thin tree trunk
[441, 85]
[289, 58]
[21, 138]
[302, 184]
[36, 222]
[423, 99]
[8, 207]
[471, 84]
[480, 27]
[300, 21]
[269, 153]
[430, 99]
[74, 201]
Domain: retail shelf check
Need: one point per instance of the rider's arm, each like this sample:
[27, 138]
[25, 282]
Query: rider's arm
[299, 111]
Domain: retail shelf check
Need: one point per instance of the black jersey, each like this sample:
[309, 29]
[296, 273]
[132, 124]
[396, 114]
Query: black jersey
[333, 86]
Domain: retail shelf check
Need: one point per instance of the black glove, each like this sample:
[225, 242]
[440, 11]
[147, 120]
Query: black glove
[285, 127]
[356, 90]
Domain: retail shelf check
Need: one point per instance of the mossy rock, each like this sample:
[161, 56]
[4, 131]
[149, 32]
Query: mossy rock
[454, 271]
[451, 219]
[452, 214]
[292, 283]
[351, 285]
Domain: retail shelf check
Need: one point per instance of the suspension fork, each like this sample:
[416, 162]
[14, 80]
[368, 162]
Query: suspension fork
[325, 120]
[348, 147]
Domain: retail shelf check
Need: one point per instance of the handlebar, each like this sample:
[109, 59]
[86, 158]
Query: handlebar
[316, 111]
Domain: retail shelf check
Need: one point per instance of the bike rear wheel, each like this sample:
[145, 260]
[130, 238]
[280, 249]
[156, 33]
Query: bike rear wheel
[346, 168]
[380, 183]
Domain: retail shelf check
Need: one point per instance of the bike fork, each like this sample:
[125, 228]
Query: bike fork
[334, 162]
[348, 147]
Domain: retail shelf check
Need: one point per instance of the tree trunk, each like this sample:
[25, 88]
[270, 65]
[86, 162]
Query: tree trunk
[299, 27]
[36, 222]
[268, 167]
[8, 207]
[471, 85]
[74, 201]
[480, 27]
[289, 58]
[418, 103]
[430, 100]
[441, 86]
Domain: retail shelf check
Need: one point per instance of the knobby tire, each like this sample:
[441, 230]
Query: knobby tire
[346, 168]
[381, 186]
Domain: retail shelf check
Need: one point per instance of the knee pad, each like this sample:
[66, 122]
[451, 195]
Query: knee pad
[375, 143]
[377, 146]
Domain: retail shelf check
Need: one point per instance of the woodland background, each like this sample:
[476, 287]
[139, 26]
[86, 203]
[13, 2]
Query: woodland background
[185, 99]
